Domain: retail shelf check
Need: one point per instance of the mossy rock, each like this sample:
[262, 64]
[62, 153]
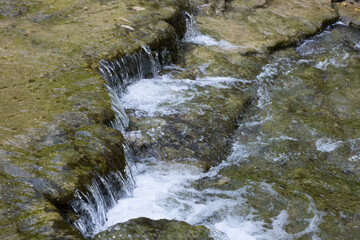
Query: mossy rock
[55, 113]
[145, 228]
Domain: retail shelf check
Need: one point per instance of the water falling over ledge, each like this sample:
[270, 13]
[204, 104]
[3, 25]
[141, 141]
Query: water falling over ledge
[92, 205]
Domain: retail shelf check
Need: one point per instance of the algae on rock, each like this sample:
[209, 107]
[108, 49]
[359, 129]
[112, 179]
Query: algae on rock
[54, 110]
[145, 228]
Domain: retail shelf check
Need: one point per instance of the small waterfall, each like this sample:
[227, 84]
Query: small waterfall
[192, 31]
[193, 35]
[91, 207]
[120, 73]
[124, 71]
[101, 195]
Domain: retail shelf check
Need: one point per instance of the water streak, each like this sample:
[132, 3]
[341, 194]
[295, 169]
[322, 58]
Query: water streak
[193, 35]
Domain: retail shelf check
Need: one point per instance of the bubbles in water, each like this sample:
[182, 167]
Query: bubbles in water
[327, 145]
[164, 95]
[181, 190]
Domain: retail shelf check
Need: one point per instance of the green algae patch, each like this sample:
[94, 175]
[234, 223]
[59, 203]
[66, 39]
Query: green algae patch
[145, 228]
[54, 109]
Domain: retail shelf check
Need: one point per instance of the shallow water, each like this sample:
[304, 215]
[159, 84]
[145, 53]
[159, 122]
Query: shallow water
[293, 170]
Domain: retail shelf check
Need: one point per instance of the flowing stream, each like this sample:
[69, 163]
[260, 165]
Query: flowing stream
[293, 167]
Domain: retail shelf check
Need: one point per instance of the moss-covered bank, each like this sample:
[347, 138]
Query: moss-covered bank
[55, 112]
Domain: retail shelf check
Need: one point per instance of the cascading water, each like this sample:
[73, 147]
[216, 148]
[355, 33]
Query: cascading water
[104, 192]
[193, 35]
[267, 188]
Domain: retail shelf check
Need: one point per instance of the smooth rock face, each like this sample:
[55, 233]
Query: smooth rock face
[54, 112]
[145, 228]
[260, 26]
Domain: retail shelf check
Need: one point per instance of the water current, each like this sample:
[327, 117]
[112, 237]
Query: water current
[293, 168]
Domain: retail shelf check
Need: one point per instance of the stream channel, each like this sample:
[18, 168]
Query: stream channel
[274, 156]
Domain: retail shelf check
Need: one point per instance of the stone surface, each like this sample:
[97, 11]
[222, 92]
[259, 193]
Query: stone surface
[201, 123]
[54, 110]
[260, 26]
[55, 113]
[145, 228]
[349, 12]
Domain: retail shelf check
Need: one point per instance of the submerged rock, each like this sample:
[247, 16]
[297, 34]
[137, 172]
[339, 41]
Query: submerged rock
[298, 148]
[145, 228]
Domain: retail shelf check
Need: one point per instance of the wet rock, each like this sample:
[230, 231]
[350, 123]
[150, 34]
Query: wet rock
[349, 12]
[215, 7]
[298, 156]
[55, 113]
[200, 127]
[145, 228]
[199, 123]
[260, 26]
[215, 61]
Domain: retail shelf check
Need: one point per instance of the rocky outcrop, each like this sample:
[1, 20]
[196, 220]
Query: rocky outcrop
[145, 228]
[55, 114]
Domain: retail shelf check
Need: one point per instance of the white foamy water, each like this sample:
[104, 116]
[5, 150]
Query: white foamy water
[327, 144]
[157, 185]
[166, 190]
[338, 61]
[164, 95]
[357, 46]
[205, 40]
[193, 35]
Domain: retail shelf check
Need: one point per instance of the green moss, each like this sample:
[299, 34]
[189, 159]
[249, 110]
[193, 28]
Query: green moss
[51, 92]
[144, 228]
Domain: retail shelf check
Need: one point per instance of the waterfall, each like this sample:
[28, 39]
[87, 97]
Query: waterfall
[92, 205]
[193, 35]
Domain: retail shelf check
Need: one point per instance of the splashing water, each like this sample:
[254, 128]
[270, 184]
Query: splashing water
[258, 191]
[193, 35]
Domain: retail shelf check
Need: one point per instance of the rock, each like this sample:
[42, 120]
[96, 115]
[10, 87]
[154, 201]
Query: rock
[145, 228]
[261, 26]
[137, 8]
[314, 107]
[349, 12]
[54, 112]
[215, 7]
[128, 27]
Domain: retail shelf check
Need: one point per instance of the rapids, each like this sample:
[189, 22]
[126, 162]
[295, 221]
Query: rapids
[293, 166]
